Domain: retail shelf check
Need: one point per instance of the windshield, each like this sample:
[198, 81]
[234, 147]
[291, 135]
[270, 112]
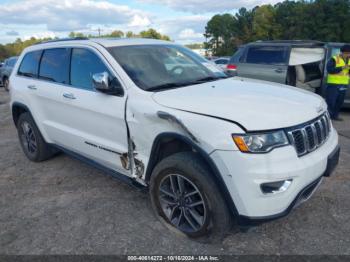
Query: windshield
[159, 67]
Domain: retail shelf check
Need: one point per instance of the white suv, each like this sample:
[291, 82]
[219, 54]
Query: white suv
[209, 148]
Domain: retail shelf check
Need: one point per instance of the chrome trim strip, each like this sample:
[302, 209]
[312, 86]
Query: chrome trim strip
[324, 126]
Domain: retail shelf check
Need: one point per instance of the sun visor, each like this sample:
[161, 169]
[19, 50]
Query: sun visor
[300, 56]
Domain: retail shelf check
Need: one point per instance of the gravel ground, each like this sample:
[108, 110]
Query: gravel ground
[63, 206]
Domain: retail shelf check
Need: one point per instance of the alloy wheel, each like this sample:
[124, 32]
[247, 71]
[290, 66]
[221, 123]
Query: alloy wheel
[182, 203]
[28, 138]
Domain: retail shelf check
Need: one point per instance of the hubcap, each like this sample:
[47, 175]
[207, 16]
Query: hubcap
[28, 138]
[182, 203]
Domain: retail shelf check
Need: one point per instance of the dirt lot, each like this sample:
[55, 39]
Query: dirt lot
[63, 206]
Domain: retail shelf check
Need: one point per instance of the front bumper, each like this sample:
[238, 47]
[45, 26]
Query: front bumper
[244, 173]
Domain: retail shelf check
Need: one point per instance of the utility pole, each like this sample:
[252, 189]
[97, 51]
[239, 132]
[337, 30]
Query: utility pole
[99, 32]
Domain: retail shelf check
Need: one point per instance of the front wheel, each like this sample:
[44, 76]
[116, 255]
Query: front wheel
[185, 197]
[6, 84]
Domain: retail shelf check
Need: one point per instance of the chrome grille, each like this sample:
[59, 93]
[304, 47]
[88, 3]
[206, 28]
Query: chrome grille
[310, 136]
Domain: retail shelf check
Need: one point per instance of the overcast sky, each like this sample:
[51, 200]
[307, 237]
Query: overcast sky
[182, 20]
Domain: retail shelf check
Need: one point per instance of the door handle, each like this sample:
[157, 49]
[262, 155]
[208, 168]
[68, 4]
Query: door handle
[31, 87]
[279, 70]
[69, 96]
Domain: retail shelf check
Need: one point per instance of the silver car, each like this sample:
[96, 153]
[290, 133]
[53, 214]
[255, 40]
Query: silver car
[296, 63]
[5, 71]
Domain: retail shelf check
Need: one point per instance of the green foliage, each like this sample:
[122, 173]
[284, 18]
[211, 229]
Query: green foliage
[13, 49]
[195, 46]
[323, 20]
[151, 33]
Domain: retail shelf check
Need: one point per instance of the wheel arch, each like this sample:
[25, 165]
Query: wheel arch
[4, 77]
[169, 136]
[17, 110]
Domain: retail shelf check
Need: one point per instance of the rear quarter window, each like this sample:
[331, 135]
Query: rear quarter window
[270, 55]
[237, 57]
[54, 65]
[30, 64]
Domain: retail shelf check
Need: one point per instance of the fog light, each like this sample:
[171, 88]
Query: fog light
[276, 187]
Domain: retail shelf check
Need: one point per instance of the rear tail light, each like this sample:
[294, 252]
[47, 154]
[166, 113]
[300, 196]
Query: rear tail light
[231, 67]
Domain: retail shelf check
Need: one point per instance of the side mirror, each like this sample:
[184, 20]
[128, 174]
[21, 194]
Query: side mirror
[103, 83]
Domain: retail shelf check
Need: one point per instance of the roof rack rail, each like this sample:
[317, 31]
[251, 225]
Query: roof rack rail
[62, 40]
[297, 41]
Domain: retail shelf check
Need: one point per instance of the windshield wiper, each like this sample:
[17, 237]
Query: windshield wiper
[165, 86]
[209, 78]
[181, 84]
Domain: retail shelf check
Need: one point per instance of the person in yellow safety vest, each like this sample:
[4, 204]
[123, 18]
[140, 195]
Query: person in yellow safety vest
[338, 80]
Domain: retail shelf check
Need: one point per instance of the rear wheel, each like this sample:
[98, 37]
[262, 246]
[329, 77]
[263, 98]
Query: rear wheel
[186, 198]
[31, 140]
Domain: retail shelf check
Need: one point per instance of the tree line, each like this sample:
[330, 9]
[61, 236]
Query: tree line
[15, 48]
[323, 20]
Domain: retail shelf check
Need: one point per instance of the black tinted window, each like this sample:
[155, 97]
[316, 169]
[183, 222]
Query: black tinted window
[267, 55]
[55, 65]
[30, 64]
[221, 62]
[84, 64]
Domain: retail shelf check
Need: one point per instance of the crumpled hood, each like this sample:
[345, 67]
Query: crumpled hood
[255, 104]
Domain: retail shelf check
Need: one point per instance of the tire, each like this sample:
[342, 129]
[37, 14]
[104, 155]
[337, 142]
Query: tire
[31, 140]
[6, 83]
[189, 170]
[291, 76]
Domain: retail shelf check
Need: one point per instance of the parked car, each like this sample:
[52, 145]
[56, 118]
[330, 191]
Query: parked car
[222, 62]
[5, 71]
[208, 147]
[296, 63]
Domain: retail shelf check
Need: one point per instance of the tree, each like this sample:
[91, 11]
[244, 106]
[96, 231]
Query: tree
[130, 34]
[117, 33]
[151, 33]
[323, 20]
[220, 31]
[15, 48]
[264, 23]
[195, 46]
[76, 34]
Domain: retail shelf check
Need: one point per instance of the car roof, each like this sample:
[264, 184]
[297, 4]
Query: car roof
[107, 42]
[336, 44]
[293, 43]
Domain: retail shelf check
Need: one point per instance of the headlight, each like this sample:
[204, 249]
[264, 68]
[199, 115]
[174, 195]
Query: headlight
[260, 143]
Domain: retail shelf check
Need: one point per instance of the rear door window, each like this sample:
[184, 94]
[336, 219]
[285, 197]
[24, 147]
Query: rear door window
[54, 65]
[30, 64]
[270, 55]
[84, 64]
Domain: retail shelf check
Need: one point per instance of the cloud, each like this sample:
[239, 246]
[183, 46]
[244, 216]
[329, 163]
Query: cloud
[45, 34]
[189, 33]
[183, 28]
[12, 33]
[139, 21]
[204, 6]
[69, 15]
